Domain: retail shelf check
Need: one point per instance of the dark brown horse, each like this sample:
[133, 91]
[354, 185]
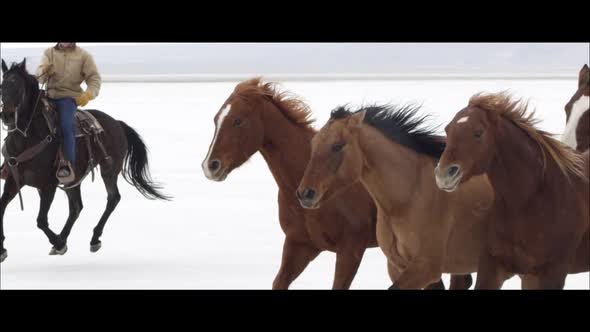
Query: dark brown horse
[258, 117]
[541, 210]
[32, 146]
[577, 110]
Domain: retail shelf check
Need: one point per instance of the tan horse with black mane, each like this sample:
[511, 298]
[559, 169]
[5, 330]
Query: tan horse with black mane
[541, 206]
[423, 232]
[259, 117]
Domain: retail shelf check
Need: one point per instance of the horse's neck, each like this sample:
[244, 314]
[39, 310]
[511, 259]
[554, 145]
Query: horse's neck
[517, 166]
[286, 148]
[579, 105]
[392, 173]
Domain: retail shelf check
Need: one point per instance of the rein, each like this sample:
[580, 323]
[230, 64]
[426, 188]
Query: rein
[16, 128]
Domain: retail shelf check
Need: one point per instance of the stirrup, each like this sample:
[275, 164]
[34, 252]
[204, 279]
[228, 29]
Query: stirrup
[3, 171]
[66, 179]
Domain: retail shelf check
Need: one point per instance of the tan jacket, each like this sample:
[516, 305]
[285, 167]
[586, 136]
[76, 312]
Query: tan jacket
[64, 70]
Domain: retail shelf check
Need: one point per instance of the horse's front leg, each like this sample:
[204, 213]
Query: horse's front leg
[46, 195]
[490, 273]
[420, 276]
[347, 264]
[10, 191]
[296, 257]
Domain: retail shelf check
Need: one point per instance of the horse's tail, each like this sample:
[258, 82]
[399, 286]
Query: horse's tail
[135, 170]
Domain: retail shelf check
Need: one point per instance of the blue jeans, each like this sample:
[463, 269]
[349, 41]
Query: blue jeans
[66, 108]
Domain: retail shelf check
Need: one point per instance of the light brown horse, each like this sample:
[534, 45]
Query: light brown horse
[541, 206]
[423, 232]
[577, 110]
[258, 117]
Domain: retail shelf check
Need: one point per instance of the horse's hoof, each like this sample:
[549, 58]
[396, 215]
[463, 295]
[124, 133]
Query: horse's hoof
[3, 256]
[54, 251]
[95, 247]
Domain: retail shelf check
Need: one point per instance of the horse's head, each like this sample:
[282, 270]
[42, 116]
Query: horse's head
[469, 147]
[336, 159]
[239, 133]
[16, 86]
[583, 92]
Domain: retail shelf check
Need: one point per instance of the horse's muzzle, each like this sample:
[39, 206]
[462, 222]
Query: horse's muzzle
[449, 178]
[308, 198]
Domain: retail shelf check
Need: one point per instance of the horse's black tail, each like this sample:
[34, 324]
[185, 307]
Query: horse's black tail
[135, 170]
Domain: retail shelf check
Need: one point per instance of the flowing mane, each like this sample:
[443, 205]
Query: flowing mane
[515, 111]
[291, 106]
[401, 124]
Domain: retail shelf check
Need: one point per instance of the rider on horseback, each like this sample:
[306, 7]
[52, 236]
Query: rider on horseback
[64, 67]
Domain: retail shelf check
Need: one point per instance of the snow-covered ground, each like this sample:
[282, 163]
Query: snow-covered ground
[217, 235]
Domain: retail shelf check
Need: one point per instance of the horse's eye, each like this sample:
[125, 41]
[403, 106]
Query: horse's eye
[237, 122]
[478, 134]
[337, 147]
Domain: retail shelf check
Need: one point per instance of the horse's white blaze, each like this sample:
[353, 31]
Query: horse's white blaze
[569, 135]
[222, 115]
[463, 119]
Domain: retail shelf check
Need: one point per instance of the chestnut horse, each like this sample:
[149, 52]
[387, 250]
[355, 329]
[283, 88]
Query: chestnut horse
[422, 231]
[258, 117]
[541, 209]
[577, 110]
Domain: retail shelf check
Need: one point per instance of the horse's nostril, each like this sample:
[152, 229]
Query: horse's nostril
[453, 170]
[214, 165]
[308, 193]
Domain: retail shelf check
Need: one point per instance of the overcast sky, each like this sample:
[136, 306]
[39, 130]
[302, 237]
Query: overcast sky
[323, 58]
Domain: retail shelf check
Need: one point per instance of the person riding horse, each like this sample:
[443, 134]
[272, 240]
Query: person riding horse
[63, 68]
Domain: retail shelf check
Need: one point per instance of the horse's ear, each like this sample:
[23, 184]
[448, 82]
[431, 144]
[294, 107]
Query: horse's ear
[4, 67]
[23, 65]
[356, 120]
[584, 76]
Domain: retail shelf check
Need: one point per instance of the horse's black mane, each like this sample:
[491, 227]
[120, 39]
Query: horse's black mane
[401, 124]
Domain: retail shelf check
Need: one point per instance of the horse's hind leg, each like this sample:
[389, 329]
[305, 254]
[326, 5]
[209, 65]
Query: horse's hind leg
[113, 198]
[75, 203]
[59, 246]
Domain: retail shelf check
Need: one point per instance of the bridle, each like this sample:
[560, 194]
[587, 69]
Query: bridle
[16, 112]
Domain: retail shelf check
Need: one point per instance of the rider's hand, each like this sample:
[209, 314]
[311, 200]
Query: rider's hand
[83, 99]
[47, 70]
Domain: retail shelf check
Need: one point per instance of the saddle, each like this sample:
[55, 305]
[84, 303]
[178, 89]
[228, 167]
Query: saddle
[86, 126]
